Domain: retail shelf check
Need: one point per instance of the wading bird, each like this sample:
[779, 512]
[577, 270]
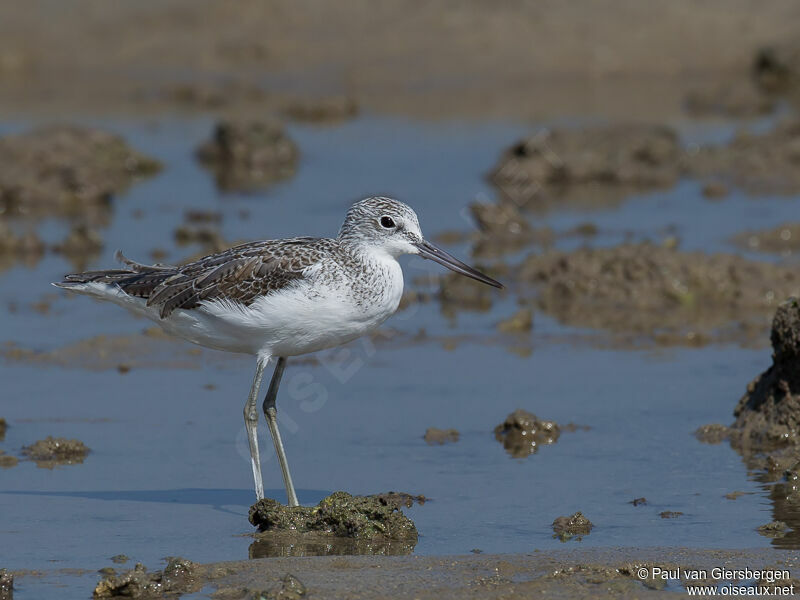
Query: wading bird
[279, 298]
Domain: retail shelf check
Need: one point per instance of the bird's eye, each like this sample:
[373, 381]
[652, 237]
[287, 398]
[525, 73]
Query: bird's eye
[387, 222]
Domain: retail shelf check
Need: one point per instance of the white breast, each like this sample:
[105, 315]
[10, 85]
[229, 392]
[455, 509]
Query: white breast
[313, 315]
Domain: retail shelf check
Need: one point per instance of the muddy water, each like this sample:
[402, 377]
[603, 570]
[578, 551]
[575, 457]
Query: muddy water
[168, 470]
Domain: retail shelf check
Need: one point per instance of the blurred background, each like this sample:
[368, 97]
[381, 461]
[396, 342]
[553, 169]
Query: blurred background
[630, 170]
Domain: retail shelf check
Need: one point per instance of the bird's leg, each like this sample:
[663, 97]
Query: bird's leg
[251, 424]
[272, 422]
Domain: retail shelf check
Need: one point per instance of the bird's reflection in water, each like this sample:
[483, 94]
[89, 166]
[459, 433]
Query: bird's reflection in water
[273, 544]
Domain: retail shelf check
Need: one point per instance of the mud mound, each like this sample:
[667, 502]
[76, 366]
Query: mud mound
[249, 155]
[7, 461]
[566, 528]
[66, 171]
[769, 412]
[504, 229]
[177, 578]
[590, 166]
[437, 437]
[49, 452]
[522, 433]
[340, 514]
[759, 163]
[642, 292]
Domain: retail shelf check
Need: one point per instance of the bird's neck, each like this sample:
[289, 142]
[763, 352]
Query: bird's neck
[367, 253]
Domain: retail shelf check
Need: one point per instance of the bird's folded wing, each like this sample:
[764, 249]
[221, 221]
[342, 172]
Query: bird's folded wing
[238, 275]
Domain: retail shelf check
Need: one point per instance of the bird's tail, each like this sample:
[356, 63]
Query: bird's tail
[136, 279]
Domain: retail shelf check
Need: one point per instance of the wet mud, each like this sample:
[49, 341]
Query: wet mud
[27, 248]
[151, 348]
[642, 293]
[520, 322]
[81, 246]
[7, 460]
[67, 171]
[459, 293]
[522, 433]
[575, 573]
[735, 98]
[586, 167]
[340, 515]
[249, 155]
[437, 437]
[52, 452]
[504, 229]
[760, 163]
[575, 526]
[600, 166]
[177, 578]
[783, 240]
[320, 111]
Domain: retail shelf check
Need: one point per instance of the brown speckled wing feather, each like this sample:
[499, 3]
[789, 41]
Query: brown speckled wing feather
[240, 274]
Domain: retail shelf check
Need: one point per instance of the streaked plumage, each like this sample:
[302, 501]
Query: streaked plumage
[279, 298]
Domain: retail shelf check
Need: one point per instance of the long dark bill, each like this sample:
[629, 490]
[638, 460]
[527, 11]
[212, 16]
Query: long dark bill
[428, 250]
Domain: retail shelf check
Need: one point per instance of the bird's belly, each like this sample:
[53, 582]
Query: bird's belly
[290, 323]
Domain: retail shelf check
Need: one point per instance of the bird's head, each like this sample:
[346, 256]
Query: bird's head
[390, 226]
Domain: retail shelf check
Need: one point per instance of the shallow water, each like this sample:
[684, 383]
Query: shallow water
[169, 473]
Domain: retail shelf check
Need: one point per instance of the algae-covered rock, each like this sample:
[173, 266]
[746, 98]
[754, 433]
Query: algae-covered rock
[566, 528]
[178, 577]
[340, 514]
[522, 433]
[49, 452]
